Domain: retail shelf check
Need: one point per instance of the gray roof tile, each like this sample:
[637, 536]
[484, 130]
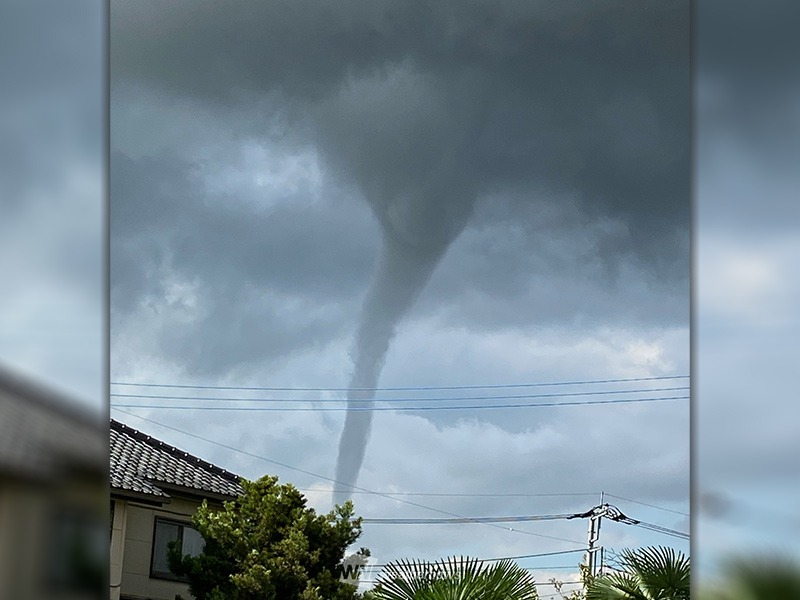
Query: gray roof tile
[139, 463]
[45, 435]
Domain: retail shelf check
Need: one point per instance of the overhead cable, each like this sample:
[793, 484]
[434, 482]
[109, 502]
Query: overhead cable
[402, 408]
[317, 475]
[427, 399]
[398, 389]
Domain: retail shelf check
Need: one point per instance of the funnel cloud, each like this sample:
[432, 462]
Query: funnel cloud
[417, 230]
[524, 163]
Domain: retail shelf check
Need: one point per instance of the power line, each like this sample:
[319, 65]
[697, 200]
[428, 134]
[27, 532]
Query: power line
[424, 521]
[677, 512]
[664, 530]
[540, 568]
[510, 519]
[354, 487]
[614, 514]
[476, 495]
[402, 408]
[544, 568]
[538, 555]
[371, 400]
[548, 583]
[505, 495]
[397, 389]
[501, 558]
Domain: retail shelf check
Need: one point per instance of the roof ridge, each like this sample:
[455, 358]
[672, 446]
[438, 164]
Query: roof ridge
[42, 394]
[173, 451]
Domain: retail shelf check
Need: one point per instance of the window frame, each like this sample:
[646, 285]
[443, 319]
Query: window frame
[168, 575]
[70, 527]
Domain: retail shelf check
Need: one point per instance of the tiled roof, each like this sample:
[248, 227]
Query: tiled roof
[45, 435]
[143, 464]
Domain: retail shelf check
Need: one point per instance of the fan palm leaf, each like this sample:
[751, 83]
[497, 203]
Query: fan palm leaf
[455, 579]
[656, 573]
[762, 578]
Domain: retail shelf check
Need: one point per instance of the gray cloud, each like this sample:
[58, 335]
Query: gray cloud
[243, 260]
[524, 166]
[746, 318]
[251, 279]
[594, 100]
[540, 109]
[51, 197]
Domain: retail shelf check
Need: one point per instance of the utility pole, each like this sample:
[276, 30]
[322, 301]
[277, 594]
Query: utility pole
[595, 516]
[595, 519]
[598, 568]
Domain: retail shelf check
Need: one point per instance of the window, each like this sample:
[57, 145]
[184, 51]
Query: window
[78, 551]
[191, 544]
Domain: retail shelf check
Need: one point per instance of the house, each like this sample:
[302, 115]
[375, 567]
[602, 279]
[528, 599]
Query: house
[53, 494]
[155, 489]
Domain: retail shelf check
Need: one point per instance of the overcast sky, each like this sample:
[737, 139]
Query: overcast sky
[747, 294]
[52, 325]
[492, 310]
[503, 188]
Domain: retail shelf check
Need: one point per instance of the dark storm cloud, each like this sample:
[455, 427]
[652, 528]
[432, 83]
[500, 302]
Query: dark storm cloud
[522, 267]
[748, 46]
[529, 158]
[748, 56]
[233, 261]
[592, 98]
[748, 125]
[50, 101]
[425, 112]
[51, 149]
[513, 105]
[162, 203]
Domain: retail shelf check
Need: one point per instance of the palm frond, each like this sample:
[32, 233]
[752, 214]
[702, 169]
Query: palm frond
[455, 578]
[761, 578]
[655, 573]
[616, 586]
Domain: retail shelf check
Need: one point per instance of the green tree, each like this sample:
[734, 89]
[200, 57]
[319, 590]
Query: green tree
[267, 544]
[454, 579]
[655, 573]
[759, 578]
[575, 594]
